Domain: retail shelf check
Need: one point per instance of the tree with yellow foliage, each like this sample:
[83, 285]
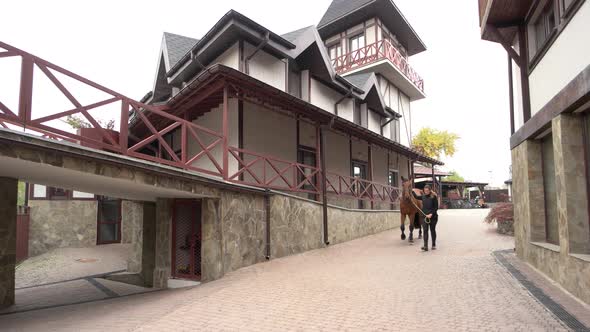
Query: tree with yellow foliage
[434, 143]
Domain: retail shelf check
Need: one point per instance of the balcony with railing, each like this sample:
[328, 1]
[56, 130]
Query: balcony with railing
[384, 58]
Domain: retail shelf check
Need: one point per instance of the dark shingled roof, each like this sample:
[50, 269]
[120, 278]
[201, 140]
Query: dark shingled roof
[339, 8]
[359, 80]
[177, 46]
[293, 35]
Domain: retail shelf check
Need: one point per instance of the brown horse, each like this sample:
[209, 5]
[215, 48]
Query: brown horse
[408, 208]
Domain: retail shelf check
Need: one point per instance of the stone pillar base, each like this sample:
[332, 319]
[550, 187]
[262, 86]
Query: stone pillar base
[8, 201]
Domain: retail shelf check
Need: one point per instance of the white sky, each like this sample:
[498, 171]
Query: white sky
[116, 44]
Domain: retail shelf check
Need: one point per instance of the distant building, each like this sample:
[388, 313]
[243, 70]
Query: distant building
[549, 79]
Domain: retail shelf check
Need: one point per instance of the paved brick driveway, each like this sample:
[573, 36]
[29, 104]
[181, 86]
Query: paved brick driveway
[375, 283]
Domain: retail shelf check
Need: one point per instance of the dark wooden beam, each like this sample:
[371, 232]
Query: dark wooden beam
[506, 44]
[511, 95]
[524, 73]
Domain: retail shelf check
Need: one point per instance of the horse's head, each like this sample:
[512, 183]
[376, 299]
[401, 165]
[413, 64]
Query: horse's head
[407, 188]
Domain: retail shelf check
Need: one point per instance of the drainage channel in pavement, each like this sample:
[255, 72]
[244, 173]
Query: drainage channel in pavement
[559, 311]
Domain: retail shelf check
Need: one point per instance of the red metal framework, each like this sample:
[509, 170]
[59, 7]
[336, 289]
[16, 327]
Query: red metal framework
[144, 132]
[148, 116]
[273, 173]
[382, 49]
[361, 189]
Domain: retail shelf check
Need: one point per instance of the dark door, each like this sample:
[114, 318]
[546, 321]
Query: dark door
[109, 220]
[186, 239]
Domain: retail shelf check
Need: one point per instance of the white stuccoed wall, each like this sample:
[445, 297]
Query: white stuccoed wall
[230, 58]
[213, 121]
[266, 67]
[567, 57]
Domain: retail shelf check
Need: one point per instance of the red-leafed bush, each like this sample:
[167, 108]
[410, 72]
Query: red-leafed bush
[503, 215]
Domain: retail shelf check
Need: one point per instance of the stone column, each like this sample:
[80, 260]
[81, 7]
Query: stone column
[211, 246]
[148, 244]
[570, 176]
[162, 253]
[132, 232]
[529, 197]
[8, 201]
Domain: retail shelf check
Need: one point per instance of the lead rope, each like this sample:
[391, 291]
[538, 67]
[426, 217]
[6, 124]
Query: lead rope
[426, 219]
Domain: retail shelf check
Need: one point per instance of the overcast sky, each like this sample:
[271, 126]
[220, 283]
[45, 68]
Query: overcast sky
[116, 43]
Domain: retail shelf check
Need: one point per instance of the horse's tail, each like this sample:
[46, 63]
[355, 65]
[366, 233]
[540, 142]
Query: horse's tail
[417, 220]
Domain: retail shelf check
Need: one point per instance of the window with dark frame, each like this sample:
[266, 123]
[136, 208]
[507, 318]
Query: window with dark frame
[549, 188]
[393, 179]
[544, 26]
[357, 42]
[586, 138]
[335, 51]
[108, 220]
[549, 20]
[58, 193]
[565, 6]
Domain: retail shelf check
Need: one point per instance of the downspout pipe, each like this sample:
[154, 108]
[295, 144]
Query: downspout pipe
[267, 219]
[263, 43]
[324, 186]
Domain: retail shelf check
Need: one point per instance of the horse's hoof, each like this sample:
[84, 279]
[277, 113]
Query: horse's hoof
[411, 240]
[403, 236]
[419, 237]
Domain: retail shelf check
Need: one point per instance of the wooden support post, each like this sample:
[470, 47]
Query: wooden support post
[318, 164]
[124, 127]
[511, 95]
[524, 74]
[225, 134]
[370, 162]
[25, 102]
[241, 133]
[324, 184]
[184, 141]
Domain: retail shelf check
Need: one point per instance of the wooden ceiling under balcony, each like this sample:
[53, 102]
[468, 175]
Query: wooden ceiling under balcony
[505, 15]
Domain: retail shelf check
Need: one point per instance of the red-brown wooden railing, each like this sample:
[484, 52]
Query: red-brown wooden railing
[197, 143]
[361, 189]
[382, 49]
[147, 115]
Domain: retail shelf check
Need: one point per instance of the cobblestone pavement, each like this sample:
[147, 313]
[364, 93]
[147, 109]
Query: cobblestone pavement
[63, 264]
[59, 277]
[374, 283]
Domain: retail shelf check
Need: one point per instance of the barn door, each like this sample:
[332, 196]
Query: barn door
[186, 239]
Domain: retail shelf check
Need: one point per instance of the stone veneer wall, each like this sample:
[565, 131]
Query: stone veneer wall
[234, 230]
[132, 232]
[8, 201]
[59, 224]
[297, 224]
[73, 223]
[569, 263]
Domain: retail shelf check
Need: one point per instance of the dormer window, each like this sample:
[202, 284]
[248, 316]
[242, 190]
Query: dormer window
[357, 42]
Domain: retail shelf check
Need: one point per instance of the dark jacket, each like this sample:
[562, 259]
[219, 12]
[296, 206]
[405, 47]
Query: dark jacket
[429, 203]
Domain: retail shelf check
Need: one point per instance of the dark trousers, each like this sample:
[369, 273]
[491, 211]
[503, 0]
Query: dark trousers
[432, 227]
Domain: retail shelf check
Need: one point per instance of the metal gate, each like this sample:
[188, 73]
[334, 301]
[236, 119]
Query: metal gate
[186, 239]
[22, 233]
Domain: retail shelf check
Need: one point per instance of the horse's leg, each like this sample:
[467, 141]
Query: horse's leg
[419, 226]
[403, 227]
[411, 230]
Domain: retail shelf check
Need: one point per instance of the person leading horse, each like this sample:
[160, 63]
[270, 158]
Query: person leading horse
[409, 207]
